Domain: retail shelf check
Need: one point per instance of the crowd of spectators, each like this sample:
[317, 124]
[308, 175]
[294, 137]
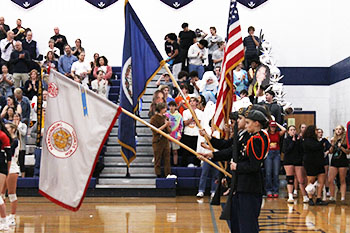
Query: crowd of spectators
[21, 66]
[196, 59]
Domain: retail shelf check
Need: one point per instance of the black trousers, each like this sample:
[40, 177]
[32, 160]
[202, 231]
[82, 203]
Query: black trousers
[21, 160]
[188, 157]
[245, 212]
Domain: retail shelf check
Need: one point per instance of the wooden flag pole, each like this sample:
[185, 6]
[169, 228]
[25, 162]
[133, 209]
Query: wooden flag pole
[190, 108]
[176, 141]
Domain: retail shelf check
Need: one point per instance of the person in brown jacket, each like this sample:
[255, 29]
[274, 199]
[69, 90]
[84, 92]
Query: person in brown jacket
[160, 144]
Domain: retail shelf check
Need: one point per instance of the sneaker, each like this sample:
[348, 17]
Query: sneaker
[171, 177]
[200, 194]
[290, 200]
[269, 196]
[342, 201]
[295, 193]
[331, 200]
[275, 195]
[306, 199]
[328, 194]
[4, 227]
[311, 202]
[11, 221]
[320, 202]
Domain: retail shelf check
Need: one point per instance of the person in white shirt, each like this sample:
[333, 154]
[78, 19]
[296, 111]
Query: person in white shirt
[100, 85]
[81, 68]
[218, 55]
[213, 45]
[7, 46]
[197, 54]
[55, 50]
[209, 87]
[191, 132]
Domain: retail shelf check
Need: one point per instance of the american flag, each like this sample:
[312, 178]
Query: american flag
[234, 54]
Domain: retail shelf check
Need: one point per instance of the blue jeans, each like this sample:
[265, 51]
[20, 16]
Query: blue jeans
[37, 155]
[206, 169]
[272, 167]
[209, 95]
[199, 69]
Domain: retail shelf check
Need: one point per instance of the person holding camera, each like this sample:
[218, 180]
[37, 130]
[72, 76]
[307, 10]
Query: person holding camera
[213, 45]
[197, 54]
[339, 162]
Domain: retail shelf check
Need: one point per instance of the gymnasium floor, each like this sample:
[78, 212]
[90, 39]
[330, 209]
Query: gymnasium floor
[180, 214]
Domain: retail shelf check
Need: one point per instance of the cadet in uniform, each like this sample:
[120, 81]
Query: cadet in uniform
[244, 202]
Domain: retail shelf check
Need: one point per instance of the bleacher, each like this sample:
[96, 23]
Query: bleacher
[141, 169]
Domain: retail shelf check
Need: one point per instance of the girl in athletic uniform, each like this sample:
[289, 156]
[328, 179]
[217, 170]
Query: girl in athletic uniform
[11, 181]
[327, 145]
[293, 163]
[339, 162]
[5, 163]
[314, 163]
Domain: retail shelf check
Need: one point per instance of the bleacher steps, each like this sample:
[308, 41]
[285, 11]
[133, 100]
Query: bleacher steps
[141, 169]
[109, 160]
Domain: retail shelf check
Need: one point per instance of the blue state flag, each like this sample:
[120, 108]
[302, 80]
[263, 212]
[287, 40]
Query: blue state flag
[141, 62]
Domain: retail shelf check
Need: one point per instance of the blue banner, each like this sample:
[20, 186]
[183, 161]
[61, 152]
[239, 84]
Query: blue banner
[176, 3]
[26, 3]
[101, 3]
[141, 62]
[251, 3]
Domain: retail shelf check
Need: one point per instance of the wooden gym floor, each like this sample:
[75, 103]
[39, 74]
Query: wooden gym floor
[180, 214]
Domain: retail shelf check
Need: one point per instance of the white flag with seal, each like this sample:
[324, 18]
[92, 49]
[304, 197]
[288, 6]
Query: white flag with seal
[77, 124]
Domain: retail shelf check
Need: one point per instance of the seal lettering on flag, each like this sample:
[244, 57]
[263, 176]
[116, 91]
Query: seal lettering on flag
[53, 90]
[61, 140]
[127, 80]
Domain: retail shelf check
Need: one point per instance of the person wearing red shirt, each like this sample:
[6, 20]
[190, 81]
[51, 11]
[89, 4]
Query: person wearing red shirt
[180, 101]
[273, 159]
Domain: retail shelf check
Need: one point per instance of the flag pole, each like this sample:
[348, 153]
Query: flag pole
[175, 141]
[190, 108]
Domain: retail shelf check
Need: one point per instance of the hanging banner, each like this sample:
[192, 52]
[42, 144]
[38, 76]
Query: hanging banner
[101, 3]
[251, 3]
[176, 3]
[26, 3]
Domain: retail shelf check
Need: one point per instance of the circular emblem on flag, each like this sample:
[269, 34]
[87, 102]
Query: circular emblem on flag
[53, 90]
[61, 140]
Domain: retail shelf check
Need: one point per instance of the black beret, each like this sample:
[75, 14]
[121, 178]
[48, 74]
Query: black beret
[257, 115]
[261, 108]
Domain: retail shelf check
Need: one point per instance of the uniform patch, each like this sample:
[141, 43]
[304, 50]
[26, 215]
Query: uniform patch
[61, 140]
